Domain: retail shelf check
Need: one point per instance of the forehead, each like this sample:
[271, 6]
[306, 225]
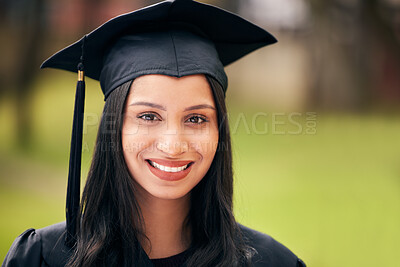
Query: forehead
[192, 89]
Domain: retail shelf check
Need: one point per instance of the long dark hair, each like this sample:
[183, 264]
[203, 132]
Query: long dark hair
[111, 222]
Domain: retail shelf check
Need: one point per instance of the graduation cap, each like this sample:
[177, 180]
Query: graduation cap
[175, 38]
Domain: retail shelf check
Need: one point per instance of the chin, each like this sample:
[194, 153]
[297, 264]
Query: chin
[170, 193]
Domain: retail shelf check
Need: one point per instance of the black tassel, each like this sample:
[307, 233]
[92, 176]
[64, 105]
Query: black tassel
[74, 174]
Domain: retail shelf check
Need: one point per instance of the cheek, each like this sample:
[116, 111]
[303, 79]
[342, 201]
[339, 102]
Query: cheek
[134, 140]
[206, 144]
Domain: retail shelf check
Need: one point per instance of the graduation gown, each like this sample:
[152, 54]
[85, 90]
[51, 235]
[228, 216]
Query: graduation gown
[45, 247]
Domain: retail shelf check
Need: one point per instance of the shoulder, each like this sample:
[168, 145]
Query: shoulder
[268, 251]
[41, 247]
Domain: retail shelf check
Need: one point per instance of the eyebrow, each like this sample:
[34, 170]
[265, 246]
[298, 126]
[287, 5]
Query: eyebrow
[153, 105]
[149, 104]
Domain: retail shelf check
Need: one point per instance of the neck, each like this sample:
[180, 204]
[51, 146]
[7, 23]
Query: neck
[164, 226]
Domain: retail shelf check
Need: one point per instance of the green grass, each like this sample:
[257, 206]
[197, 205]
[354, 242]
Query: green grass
[332, 197]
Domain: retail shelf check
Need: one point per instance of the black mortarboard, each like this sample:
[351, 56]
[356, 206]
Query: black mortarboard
[175, 38]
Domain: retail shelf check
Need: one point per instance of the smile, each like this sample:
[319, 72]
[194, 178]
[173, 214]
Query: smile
[170, 170]
[167, 168]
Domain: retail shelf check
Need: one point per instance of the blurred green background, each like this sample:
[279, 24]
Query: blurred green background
[315, 122]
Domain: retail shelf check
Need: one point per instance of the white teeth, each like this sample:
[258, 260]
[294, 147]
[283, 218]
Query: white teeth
[168, 169]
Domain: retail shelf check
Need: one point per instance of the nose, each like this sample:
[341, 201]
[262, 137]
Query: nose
[172, 142]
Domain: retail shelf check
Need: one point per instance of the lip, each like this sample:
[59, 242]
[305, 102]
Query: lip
[170, 176]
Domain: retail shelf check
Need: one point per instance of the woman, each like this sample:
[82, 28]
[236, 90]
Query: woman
[159, 190]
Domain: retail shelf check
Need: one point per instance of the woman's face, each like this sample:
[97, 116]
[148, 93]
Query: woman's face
[169, 133]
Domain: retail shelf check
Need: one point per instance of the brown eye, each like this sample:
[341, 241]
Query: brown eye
[197, 119]
[148, 117]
